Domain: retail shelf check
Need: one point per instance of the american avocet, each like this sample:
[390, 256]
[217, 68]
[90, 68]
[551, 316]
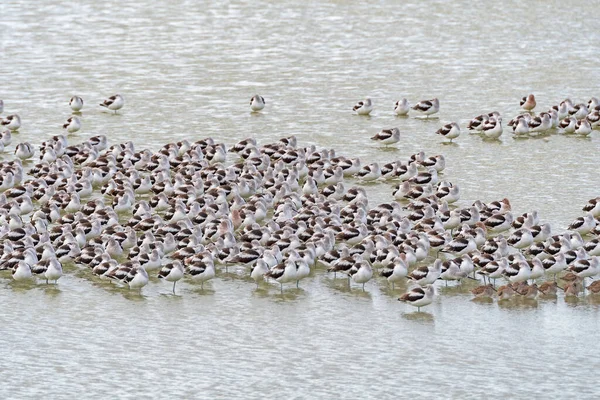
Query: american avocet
[518, 272]
[202, 271]
[583, 127]
[449, 131]
[257, 103]
[540, 124]
[402, 107]
[283, 272]
[51, 268]
[567, 125]
[521, 127]
[591, 104]
[594, 118]
[21, 271]
[579, 111]
[428, 107]
[484, 291]
[476, 124]
[369, 172]
[425, 275]
[361, 272]
[363, 107]
[114, 103]
[11, 122]
[419, 296]
[137, 278]
[387, 136]
[24, 151]
[528, 102]
[397, 271]
[492, 129]
[72, 125]
[258, 271]
[76, 103]
[521, 238]
[5, 137]
[583, 225]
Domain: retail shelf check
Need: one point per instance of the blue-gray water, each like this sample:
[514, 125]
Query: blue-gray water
[188, 70]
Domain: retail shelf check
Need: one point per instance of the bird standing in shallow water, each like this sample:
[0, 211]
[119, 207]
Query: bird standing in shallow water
[76, 103]
[528, 103]
[419, 296]
[387, 136]
[257, 103]
[428, 107]
[73, 125]
[114, 103]
[363, 107]
[450, 131]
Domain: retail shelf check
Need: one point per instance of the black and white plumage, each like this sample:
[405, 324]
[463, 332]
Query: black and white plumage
[72, 125]
[11, 122]
[114, 103]
[363, 107]
[387, 136]
[449, 131]
[419, 296]
[257, 103]
[76, 103]
[428, 107]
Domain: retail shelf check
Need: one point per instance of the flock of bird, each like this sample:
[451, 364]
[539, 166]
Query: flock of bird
[565, 117]
[278, 211]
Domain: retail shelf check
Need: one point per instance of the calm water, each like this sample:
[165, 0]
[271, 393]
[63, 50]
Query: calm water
[187, 71]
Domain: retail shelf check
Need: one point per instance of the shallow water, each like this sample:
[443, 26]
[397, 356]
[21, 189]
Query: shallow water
[188, 71]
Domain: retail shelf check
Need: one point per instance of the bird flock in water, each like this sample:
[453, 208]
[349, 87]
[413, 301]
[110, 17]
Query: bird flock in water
[281, 212]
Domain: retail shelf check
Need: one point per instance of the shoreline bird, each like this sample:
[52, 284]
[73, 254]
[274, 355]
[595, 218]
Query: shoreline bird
[172, 272]
[492, 129]
[257, 103]
[402, 107]
[114, 103]
[387, 136]
[528, 102]
[363, 107]
[72, 125]
[449, 131]
[428, 107]
[12, 122]
[76, 103]
[419, 296]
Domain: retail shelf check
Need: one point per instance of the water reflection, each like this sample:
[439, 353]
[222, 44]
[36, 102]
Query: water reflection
[419, 316]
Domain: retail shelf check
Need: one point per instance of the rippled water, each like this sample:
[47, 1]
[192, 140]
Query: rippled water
[187, 70]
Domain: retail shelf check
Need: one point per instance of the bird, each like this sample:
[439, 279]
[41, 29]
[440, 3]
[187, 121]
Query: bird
[402, 107]
[24, 150]
[72, 125]
[419, 296]
[283, 272]
[528, 102]
[172, 272]
[583, 127]
[257, 103]
[449, 131]
[12, 122]
[76, 103]
[114, 103]
[363, 107]
[21, 271]
[387, 136]
[361, 272]
[428, 107]
[492, 129]
[484, 291]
